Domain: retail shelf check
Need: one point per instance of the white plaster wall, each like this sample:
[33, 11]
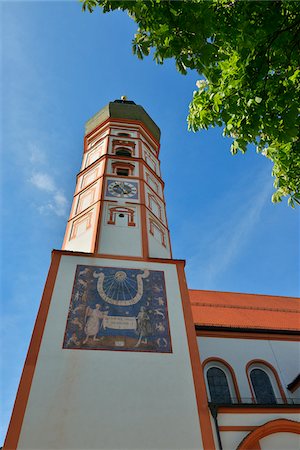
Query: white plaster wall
[296, 394]
[86, 198]
[231, 439]
[283, 355]
[151, 161]
[95, 137]
[147, 147]
[153, 182]
[83, 399]
[255, 418]
[214, 432]
[280, 441]
[82, 242]
[116, 131]
[288, 357]
[95, 140]
[120, 239]
[156, 248]
[153, 205]
[149, 142]
[94, 153]
[89, 176]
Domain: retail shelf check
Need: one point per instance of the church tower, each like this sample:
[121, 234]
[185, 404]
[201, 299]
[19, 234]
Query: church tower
[113, 361]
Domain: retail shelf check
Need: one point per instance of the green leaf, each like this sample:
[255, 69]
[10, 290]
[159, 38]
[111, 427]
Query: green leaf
[234, 148]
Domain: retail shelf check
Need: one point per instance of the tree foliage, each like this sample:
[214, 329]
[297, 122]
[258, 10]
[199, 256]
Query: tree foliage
[247, 53]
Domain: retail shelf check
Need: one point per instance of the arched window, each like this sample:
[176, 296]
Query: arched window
[262, 386]
[220, 381]
[218, 385]
[123, 151]
[265, 383]
[124, 134]
[122, 147]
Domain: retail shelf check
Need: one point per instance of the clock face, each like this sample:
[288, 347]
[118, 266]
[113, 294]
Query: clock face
[122, 189]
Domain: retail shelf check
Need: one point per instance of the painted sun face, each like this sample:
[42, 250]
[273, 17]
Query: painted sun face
[122, 189]
[120, 276]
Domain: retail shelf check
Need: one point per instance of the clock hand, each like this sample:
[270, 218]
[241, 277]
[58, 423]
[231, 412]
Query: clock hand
[123, 187]
[119, 185]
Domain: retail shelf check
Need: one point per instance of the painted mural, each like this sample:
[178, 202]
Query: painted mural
[118, 309]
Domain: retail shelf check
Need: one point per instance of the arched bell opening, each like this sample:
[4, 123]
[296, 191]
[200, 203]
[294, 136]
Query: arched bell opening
[123, 151]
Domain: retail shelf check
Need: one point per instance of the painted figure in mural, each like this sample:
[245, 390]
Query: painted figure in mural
[73, 340]
[92, 322]
[144, 327]
[160, 327]
[157, 312]
[160, 301]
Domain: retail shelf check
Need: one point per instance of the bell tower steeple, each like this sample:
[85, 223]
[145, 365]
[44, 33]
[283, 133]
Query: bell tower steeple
[119, 206]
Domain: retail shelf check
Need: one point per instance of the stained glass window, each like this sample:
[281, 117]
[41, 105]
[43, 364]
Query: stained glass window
[218, 386]
[262, 386]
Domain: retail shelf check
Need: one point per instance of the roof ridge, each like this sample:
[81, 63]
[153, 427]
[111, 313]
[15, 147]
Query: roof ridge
[260, 308]
[245, 293]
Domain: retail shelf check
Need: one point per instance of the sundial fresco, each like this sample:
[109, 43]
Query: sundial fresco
[118, 309]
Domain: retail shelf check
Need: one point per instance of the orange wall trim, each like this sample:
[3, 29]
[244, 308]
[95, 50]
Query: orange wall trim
[20, 405]
[251, 441]
[97, 231]
[258, 410]
[237, 428]
[145, 242]
[248, 335]
[200, 389]
[121, 257]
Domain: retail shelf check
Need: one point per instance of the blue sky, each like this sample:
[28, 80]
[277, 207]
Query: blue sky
[59, 67]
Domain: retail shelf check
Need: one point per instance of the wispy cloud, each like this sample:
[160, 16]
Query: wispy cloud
[36, 155]
[30, 146]
[58, 205]
[57, 202]
[43, 181]
[226, 241]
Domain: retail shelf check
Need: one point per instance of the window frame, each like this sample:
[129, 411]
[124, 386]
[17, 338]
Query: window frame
[230, 377]
[273, 378]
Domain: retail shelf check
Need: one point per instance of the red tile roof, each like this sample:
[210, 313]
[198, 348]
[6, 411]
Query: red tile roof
[234, 310]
